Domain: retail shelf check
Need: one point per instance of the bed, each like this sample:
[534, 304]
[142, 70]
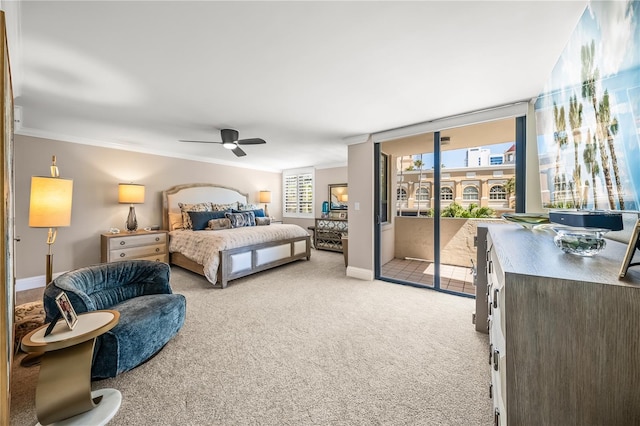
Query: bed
[226, 254]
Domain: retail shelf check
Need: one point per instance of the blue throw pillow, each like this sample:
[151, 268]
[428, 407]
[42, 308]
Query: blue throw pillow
[256, 212]
[200, 220]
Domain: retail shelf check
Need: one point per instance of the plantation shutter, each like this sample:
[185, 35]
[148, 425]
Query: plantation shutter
[298, 193]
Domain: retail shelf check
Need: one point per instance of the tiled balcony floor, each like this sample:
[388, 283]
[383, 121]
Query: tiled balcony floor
[454, 278]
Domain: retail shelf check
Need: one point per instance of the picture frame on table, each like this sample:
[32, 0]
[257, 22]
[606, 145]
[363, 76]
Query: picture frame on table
[342, 215]
[66, 310]
[634, 244]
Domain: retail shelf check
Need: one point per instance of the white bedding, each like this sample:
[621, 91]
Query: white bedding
[204, 247]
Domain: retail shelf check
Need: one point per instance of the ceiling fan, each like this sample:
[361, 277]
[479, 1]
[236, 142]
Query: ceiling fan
[230, 141]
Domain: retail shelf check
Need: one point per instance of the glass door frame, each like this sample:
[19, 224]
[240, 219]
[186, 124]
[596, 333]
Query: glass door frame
[520, 193]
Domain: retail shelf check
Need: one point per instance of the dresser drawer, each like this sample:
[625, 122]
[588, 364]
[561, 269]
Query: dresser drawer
[138, 252]
[140, 245]
[136, 240]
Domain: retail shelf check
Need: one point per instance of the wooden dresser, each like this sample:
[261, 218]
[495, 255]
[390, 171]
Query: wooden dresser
[329, 233]
[564, 332]
[148, 245]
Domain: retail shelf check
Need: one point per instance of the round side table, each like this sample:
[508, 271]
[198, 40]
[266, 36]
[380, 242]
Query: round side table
[64, 383]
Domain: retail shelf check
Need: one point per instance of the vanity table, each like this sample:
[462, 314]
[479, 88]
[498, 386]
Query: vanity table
[64, 383]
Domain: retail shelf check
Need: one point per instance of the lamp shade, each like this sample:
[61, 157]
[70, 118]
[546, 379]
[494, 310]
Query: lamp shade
[344, 198]
[130, 193]
[50, 202]
[265, 196]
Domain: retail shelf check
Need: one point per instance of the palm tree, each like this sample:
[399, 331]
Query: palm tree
[611, 127]
[419, 164]
[510, 187]
[589, 77]
[575, 121]
[560, 137]
[590, 157]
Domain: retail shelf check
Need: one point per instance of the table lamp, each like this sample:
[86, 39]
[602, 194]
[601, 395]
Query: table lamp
[50, 207]
[265, 197]
[131, 193]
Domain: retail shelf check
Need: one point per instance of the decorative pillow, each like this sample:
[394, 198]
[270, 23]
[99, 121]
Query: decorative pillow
[256, 212]
[217, 224]
[200, 220]
[239, 220]
[175, 221]
[224, 207]
[186, 208]
[242, 206]
[260, 221]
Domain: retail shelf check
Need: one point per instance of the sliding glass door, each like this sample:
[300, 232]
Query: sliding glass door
[437, 187]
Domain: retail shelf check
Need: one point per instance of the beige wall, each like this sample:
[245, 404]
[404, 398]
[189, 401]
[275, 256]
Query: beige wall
[96, 173]
[361, 181]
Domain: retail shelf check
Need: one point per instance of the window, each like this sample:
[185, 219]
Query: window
[446, 193]
[298, 193]
[470, 193]
[422, 194]
[401, 194]
[497, 192]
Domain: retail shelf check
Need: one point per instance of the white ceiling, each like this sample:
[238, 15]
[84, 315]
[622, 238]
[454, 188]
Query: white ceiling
[301, 75]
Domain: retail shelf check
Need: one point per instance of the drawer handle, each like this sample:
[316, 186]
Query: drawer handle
[157, 250]
[496, 417]
[490, 266]
[122, 243]
[122, 255]
[490, 390]
[495, 297]
[496, 359]
[490, 306]
[157, 238]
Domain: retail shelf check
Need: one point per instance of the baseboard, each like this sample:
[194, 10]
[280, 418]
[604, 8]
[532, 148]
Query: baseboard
[33, 282]
[30, 283]
[361, 274]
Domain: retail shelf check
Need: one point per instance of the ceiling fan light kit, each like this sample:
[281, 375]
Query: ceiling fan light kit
[230, 141]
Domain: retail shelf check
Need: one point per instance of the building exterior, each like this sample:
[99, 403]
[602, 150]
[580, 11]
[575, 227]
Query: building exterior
[483, 181]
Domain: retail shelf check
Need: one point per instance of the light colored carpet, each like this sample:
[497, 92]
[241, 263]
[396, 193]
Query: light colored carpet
[303, 344]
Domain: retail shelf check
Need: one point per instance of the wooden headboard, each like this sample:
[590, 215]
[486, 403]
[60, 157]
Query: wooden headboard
[196, 193]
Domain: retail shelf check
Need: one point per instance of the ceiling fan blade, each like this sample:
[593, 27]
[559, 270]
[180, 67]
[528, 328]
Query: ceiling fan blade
[254, 141]
[238, 152]
[182, 140]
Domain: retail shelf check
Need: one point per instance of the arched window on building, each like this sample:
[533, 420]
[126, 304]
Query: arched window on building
[446, 193]
[497, 192]
[422, 194]
[401, 194]
[470, 193]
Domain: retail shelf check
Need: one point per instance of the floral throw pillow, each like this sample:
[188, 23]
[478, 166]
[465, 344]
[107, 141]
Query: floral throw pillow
[241, 219]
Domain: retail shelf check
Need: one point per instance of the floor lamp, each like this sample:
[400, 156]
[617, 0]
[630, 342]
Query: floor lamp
[50, 207]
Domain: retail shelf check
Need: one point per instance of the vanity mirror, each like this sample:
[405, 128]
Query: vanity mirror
[338, 196]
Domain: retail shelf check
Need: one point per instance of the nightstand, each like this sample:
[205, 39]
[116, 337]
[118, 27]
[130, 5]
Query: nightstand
[145, 245]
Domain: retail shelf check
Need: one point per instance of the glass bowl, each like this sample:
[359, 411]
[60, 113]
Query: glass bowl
[580, 241]
[527, 220]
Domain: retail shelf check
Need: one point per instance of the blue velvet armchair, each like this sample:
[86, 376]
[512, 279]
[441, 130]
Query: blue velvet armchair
[150, 314]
